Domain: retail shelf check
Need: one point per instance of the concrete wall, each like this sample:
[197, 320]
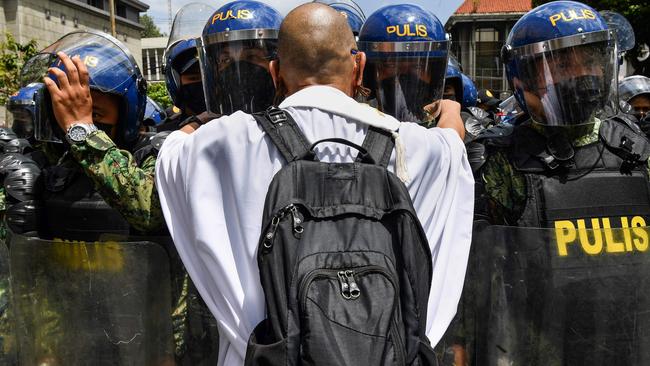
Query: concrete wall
[3, 22]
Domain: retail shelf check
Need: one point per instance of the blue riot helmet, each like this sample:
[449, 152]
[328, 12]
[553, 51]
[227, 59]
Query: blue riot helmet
[154, 114]
[407, 49]
[181, 58]
[635, 90]
[453, 81]
[238, 42]
[22, 110]
[470, 93]
[350, 10]
[112, 70]
[354, 20]
[561, 62]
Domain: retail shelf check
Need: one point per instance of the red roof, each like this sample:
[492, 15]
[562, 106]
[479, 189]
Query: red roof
[494, 6]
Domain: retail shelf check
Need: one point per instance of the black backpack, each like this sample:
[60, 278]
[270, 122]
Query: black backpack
[343, 260]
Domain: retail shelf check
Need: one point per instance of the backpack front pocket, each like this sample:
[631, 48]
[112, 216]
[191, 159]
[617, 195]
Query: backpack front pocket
[348, 317]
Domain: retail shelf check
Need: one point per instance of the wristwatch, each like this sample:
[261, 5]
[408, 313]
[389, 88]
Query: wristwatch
[78, 132]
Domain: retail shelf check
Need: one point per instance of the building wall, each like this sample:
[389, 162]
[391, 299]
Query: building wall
[153, 50]
[477, 45]
[32, 23]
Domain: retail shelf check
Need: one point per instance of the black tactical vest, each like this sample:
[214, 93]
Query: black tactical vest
[73, 210]
[595, 183]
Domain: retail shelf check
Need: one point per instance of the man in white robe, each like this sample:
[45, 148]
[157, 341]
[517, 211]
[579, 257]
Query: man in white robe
[213, 180]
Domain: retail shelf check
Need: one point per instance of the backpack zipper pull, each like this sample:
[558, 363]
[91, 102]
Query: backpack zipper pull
[297, 221]
[345, 287]
[270, 235]
[355, 292]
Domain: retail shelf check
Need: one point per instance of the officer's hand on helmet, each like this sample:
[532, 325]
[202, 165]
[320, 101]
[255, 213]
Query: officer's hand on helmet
[71, 100]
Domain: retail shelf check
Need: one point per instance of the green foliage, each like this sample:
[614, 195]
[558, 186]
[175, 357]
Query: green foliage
[150, 28]
[13, 56]
[637, 13]
[158, 92]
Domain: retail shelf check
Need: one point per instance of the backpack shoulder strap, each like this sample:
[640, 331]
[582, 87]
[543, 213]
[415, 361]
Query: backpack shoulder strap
[379, 144]
[285, 134]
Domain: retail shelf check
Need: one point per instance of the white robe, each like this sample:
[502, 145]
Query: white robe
[213, 184]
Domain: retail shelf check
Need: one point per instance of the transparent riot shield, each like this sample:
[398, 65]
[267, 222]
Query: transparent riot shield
[564, 296]
[101, 303]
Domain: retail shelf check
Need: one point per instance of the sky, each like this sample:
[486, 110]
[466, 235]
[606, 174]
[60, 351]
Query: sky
[158, 8]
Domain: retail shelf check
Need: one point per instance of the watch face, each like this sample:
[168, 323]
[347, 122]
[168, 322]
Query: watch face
[77, 133]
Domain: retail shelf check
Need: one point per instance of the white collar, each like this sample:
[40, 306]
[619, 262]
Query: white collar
[327, 98]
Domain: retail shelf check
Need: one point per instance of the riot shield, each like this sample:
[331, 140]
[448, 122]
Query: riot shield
[7, 338]
[563, 296]
[100, 303]
[195, 330]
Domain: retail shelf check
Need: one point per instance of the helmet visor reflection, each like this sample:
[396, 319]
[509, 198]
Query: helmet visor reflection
[569, 86]
[236, 75]
[407, 88]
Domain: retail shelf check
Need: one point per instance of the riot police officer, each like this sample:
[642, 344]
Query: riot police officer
[470, 93]
[154, 115]
[235, 55]
[407, 50]
[572, 164]
[182, 72]
[85, 188]
[635, 90]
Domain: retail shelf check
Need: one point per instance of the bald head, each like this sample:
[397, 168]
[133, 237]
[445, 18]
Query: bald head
[314, 47]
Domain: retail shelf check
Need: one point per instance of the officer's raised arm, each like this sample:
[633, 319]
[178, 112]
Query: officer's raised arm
[450, 117]
[71, 101]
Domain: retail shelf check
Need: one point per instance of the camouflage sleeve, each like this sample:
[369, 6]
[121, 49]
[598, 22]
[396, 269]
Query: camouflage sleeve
[126, 187]
[505, 188]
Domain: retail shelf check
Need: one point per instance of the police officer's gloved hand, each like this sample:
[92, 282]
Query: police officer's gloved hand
[200, 119]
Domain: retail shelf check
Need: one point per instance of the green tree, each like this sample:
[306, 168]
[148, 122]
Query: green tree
[158, 92]
[13, 56]
[150, 28]
[638, 13]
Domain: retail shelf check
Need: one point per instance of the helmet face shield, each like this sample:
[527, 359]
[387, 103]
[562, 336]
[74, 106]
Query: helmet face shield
[22, 109]
[21, 121]
[236, 75]
[111, 70]
[189, 22]
[110, 65]
[407, 85]
[567, 86]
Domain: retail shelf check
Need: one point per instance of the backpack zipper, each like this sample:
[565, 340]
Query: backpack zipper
[345, 286]
[350, 291]
[355, 292]
[296, 223]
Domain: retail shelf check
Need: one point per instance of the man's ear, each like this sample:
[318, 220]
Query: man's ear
[360, 65]
[274, 69]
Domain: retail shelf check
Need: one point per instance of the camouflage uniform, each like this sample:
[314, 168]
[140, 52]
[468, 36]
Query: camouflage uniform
[126, 187]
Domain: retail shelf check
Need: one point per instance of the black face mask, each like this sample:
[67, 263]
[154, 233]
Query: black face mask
[246, 87]
[193, 99]
[580, 97]
[407, 101]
